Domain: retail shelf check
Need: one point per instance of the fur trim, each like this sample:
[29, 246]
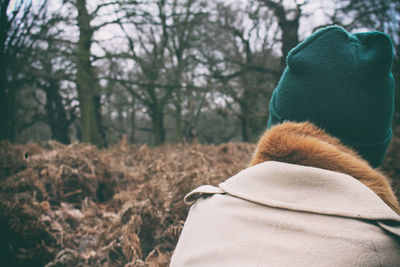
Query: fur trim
[305, 144]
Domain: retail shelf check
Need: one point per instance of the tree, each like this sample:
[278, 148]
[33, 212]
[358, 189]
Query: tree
[241, 60]
[119, 101]
[85, 80]
[187, 17]
[18, 34]
[148, 83]
[88, 88]
[288, 21]
[60, 114]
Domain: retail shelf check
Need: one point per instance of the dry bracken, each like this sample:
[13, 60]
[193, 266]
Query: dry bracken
[77, 205]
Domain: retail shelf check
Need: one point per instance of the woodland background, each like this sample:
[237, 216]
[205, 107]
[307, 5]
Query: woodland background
[158, 70]
[111, 111]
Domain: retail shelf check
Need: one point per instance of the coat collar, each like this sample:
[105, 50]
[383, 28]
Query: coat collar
[308, 189]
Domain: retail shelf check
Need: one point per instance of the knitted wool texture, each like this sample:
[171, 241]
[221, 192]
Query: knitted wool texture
[343, 83]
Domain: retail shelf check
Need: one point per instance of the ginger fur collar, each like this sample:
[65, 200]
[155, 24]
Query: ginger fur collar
[305, 144]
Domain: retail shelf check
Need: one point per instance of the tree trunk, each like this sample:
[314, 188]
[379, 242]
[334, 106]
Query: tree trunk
[157, 120]
[4, 105]
[10, 111]
[133, 122]
[244, 121]
[178, 100]
[100, 132]
[55, 110]
[290, 37]
[7, 122]
[289, 27]
[57, 117]
[178, 118]
[91, 132]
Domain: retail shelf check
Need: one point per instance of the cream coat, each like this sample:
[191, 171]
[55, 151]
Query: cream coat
[282, 214]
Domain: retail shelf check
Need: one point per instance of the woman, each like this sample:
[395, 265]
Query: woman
[311, 196]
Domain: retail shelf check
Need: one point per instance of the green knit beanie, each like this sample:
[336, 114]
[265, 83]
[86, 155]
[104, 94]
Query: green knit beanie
[342, 83]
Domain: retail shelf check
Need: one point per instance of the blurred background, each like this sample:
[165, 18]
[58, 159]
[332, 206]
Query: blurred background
[157, 71]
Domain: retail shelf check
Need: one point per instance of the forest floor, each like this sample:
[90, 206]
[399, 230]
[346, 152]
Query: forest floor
[77, 205]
